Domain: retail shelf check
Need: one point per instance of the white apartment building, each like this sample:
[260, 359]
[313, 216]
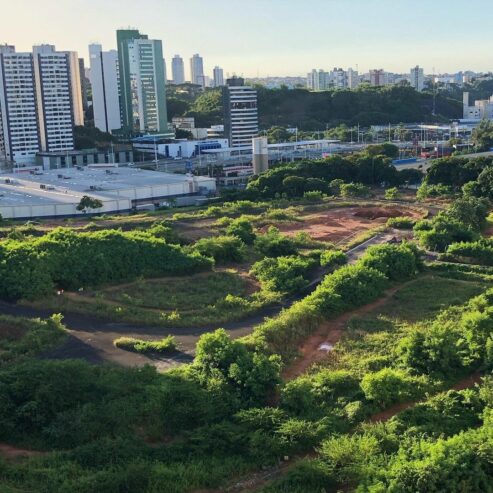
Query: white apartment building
[338, 78]
[417, 78]
[196, 69]
[19, 131]
[241, 112]
[482, 109]
[178, 70]
[54, 96]
[104, 82]
[218, 75]
[352, 78]
[317, 80]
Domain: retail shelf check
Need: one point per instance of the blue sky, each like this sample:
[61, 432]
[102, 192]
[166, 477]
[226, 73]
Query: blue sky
[271, 37]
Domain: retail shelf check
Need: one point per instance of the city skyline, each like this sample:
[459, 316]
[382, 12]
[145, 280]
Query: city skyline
[271, 37]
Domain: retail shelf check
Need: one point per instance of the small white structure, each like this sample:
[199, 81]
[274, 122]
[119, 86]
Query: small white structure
[482, 109]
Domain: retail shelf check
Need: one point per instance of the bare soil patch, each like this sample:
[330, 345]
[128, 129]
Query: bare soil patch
[10, 452]
[338, 224]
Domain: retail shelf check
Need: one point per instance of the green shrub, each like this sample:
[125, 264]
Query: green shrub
[242, 229]
[401, 222]
[221, 248]
[162, 346]
[354, 190]
[273, 244]
[332, 258]
[283, 274]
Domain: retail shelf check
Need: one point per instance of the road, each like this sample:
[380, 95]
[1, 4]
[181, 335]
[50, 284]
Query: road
[91, 338]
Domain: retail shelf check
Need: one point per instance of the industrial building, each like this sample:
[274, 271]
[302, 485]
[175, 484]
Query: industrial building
[56, 193]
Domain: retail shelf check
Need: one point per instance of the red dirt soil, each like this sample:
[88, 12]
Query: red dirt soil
[338, 224]
[12, 453]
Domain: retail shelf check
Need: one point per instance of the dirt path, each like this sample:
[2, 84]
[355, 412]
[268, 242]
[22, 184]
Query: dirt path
[385, 415]
[10, 452]
[329, 332]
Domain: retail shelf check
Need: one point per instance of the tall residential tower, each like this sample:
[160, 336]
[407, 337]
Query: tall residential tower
[241, 113]
[178, 70]
[197, 69]
[104, 81]
[142, 83]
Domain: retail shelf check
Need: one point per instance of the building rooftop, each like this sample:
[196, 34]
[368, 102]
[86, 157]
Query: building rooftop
[68, 185]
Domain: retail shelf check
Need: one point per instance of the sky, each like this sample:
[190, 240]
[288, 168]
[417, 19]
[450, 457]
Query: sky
[270, 37]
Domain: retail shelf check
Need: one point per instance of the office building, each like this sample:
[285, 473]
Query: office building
[241, 112]
[104, 81]
[417, 78]
[178, 70]
[19, 131]
[378, 77]
[142, 83]
[196, 69]
[218, 77]
[58, 96]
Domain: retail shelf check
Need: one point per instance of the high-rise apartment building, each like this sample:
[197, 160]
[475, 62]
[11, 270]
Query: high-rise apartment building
[142, 83]
[85, 85]
[317, 80]
[105, 94]
[196, 69]
[58, 95]
[338, 78]
[352, 78]
[19, 130]
[241, 112]
[417, 78]
[378, 77]
[178, 70]
[218, 75]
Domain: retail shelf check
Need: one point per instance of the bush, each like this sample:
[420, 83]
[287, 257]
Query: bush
[389, 386]
[332, 258]
[163, 346]
[242, 229]
[401, 222]
[70, 259]
[283, 274]
[273, 244]
[354, 190]
[480, 252]
[221, 248]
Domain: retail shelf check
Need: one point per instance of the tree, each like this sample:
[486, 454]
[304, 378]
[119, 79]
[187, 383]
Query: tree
[242, 228]
[482, 135]
[87, 202]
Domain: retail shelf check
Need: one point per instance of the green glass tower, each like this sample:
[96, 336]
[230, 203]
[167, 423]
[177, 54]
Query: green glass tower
[142, 83]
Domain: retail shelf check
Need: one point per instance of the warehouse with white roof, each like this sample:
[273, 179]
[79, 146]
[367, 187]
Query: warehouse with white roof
[57, 193]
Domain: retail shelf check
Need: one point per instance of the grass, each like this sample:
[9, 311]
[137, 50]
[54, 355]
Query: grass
[166, 345]
[424, 297]
[186, 294]
[200, 300]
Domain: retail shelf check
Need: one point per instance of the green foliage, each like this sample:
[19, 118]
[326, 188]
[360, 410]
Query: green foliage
[166, 345]
[480, 252]
[354, 190]
[284, 274]
[222, 249]
[70, 259]
[482, 135]
[401, 222]
[388, 386]
[332, 258]
[242, 228]
[392, 193]
[226, 364]
[394, 262]
[426, 191]
[87, 202]
[274, 244]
